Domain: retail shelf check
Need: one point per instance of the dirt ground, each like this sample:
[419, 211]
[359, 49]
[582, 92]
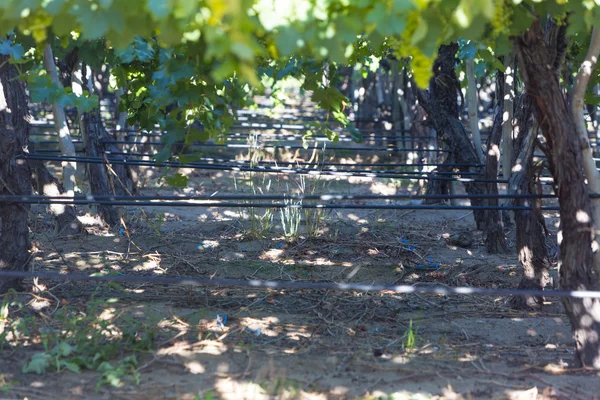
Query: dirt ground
[283, 344]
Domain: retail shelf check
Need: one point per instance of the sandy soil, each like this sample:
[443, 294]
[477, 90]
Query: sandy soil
[299, 344]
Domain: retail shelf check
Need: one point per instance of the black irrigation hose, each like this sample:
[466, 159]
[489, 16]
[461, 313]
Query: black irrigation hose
[290, 147]
[319, 164]
[236, 196]
[279, 167]
[294, 285]
[294, 138]
[298, 127]
[277, 170]
[282, 205]
[50, 151]
[330, 169]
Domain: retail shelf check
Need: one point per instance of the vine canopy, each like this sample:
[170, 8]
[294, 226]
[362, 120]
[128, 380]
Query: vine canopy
[238, 34]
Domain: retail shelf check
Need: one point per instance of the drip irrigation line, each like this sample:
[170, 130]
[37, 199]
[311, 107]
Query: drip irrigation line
[338, 164]
[279, 167]
[306, 163]
[290, 147]
[298, 127]
[264, 169]
[365, 133]
[330, 168]
[286, 197]
[329, 206]
[76, 141]
[255, 283]
[51, 151]
[264, 137]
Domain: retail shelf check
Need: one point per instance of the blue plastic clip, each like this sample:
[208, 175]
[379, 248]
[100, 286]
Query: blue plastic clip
[221, 320]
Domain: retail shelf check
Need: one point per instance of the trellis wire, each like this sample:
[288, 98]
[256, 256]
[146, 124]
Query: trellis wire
[266, 137]
[263, 284]
[276, 163]
[322, 197]
[213, 204]
[290, 147]
[315, 164]
[241, 168]
[434, 175]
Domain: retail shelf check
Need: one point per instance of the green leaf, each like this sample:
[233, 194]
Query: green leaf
[188, 158]
[63, 349]
[420, 32]
[72, 367]
[53, 7]
[467, 51]
[196, 135]
[378, 13]
[160, 8]
[8, 48]
[86, 104]
[96, 22]
[503, 46]
[355, 134]
[491, 60]
[105, 366]
[521, 21]
[140, 50]
[169, 32]
[591, 98]
[38, 364]
[177, 180]
[287, 40]
[243, 51]
[116, 286]
[63, 24]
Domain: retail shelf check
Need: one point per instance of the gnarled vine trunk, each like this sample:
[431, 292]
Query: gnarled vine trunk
[441, 105]
[105, 179]
[495, 240]
[15, 177]
[558, 128]
[530, 226]
[45, 184]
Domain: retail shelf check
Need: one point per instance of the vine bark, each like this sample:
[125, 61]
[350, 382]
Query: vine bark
[575, 239]
[15, 176]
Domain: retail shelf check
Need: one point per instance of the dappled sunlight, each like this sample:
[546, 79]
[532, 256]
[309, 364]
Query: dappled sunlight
[150, 265]
[582, 217]
[357, 219]
[227, 342]
[195, 367]
[272, 254]
[383, 189]
[239, 356]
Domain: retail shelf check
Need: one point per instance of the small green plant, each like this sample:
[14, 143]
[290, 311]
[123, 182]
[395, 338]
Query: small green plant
[282, 388]
[208, 395]
[409, 339]
[261, 222]
[113, 375]
[290, 219]
[6, 385]
[442, 346]
[313, 217]
[4, 320]
[11, 326]
[91, 340]
[160, 219]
